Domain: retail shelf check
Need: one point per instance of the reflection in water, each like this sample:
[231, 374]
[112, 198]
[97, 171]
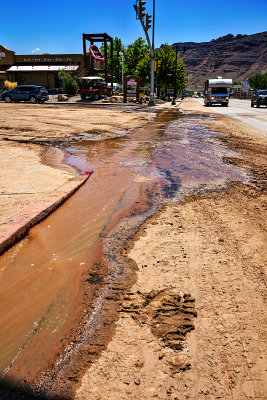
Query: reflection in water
[38, 282]
[191, 157]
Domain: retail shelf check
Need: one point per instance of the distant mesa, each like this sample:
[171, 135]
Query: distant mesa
[235, 57]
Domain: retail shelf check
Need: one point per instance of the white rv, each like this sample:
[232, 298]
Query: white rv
[217, 91]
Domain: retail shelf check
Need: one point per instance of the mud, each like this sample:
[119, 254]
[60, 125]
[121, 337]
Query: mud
[132, 325]
[24, 131]
[210, 246]
[168, 314]
[57, 320]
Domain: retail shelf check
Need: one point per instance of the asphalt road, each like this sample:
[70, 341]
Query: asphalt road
[242, 110]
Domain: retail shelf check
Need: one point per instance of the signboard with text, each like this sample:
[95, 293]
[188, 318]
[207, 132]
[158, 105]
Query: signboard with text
[131, 86]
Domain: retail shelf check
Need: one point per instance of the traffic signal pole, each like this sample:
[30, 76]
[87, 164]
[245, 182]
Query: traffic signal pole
[152, 78]
[146, 24]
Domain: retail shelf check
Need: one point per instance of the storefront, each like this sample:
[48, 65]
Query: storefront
[37, 69]
[7, 59]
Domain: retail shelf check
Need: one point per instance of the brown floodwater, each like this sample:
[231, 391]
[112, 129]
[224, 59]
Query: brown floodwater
[39, 277]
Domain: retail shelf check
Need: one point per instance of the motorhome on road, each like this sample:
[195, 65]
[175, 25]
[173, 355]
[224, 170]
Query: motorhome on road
[217, 91]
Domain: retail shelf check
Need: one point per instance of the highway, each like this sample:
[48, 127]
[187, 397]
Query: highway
[242, 110]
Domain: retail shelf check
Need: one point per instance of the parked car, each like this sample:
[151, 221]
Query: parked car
[31, 93]
[93, 86]
[116, 86]
[259, 98]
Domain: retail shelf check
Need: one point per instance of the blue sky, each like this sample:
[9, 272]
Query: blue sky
[56, 26]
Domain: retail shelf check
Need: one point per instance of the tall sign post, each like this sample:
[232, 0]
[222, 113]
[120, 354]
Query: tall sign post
[145, 20]
[131, 86]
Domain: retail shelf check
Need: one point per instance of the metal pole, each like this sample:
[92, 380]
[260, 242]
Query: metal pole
[151, 101]
[175, 78]
[112, 64]
[122, 69]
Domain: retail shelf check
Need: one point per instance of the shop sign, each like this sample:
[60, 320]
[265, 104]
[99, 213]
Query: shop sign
[131, 87]
[45, 59]
[2, 55]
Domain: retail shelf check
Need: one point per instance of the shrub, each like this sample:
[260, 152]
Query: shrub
[70, 85]
[258, 81]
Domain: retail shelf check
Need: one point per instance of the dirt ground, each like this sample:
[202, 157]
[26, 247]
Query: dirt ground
[30, 172]
[49, 123]
[193, 326]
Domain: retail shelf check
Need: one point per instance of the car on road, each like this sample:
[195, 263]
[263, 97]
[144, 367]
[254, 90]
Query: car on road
[116, 87]
[259, 98]
[93, 86]
[32, 93]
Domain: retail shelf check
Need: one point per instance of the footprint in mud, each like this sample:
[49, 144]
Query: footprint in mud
[170, 317]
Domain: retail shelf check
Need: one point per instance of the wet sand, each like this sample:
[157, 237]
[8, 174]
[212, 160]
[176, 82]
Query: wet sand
[210, 250]
[43, 273]
[186, 269]
[30, 171]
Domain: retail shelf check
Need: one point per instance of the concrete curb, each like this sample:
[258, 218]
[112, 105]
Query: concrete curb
[33, 215]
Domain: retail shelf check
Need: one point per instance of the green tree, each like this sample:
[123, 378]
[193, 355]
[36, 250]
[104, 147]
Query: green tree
[143, 70]
[165, 74]
[258, 81]
[166, 68]
[134, 53]
[70, 85]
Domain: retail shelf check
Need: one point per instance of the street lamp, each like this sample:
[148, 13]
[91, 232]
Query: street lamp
[175, 78]
[122, 69]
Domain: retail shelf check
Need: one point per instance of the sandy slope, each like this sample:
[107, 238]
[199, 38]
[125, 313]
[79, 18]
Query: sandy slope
[29, 172]
[193, 325]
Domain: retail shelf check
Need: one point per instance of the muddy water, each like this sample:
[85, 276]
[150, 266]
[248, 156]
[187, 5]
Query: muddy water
[39, 277]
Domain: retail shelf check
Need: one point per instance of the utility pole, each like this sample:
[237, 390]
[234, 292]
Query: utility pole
[175, 78]
[122, 69]
[152, 78]
[145, 20]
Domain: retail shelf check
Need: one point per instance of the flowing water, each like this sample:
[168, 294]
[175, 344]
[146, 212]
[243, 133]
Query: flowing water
[39, 277]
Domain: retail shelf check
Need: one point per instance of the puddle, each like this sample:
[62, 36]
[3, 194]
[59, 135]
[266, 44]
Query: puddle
[40, 276]
[192, 157]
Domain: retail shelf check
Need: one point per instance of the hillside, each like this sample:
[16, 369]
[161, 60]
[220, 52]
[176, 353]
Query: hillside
[237, 57]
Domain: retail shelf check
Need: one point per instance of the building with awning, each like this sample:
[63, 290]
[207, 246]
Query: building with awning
[3, 76]
[37, 69]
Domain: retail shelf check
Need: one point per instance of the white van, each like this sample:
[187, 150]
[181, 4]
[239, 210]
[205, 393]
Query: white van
[116, 86]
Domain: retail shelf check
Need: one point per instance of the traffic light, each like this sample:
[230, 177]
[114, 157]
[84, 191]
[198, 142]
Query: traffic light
[141, 9]
[148, 22]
